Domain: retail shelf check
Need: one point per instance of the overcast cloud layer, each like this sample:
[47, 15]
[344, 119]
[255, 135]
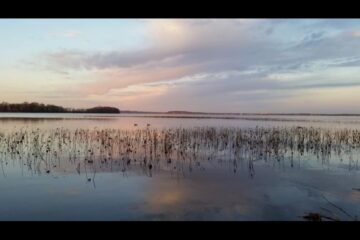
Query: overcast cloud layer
[250, 65]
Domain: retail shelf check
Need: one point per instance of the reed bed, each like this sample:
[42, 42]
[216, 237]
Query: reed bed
[175, 149]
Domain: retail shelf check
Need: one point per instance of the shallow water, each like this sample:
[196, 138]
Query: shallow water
[127, 121]
[212, 182]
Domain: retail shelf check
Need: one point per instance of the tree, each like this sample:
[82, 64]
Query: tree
[40, 107]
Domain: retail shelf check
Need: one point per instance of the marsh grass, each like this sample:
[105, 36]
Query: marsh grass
[177, 150]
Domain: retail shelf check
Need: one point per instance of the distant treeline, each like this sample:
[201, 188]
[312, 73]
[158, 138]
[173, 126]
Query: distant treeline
[35, 107]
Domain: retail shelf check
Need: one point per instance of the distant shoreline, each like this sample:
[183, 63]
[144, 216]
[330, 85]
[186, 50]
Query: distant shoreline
[243, 114]
[195, 113]
[35, 107]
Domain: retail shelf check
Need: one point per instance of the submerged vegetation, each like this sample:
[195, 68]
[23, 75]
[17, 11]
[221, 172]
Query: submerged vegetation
[35, 107]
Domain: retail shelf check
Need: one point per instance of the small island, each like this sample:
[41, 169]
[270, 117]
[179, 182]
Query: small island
[35, 107]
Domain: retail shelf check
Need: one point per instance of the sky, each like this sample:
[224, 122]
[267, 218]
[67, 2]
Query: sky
[208, 65]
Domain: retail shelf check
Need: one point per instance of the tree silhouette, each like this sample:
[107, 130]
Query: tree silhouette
[35, 107]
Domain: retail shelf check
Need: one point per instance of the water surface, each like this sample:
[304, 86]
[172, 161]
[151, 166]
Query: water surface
[60, 179]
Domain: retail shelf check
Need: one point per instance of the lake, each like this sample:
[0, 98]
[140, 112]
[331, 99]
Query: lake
[179, 167]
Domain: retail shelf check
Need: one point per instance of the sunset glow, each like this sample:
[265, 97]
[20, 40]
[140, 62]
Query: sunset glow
[213, 65]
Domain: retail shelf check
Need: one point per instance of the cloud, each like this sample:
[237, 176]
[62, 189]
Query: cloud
[237, 61]
[183, 41]
[224, 44]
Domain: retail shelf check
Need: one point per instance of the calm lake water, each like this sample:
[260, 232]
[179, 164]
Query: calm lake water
[178, 167]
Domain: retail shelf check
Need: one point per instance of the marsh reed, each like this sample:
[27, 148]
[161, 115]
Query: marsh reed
[175, 149]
